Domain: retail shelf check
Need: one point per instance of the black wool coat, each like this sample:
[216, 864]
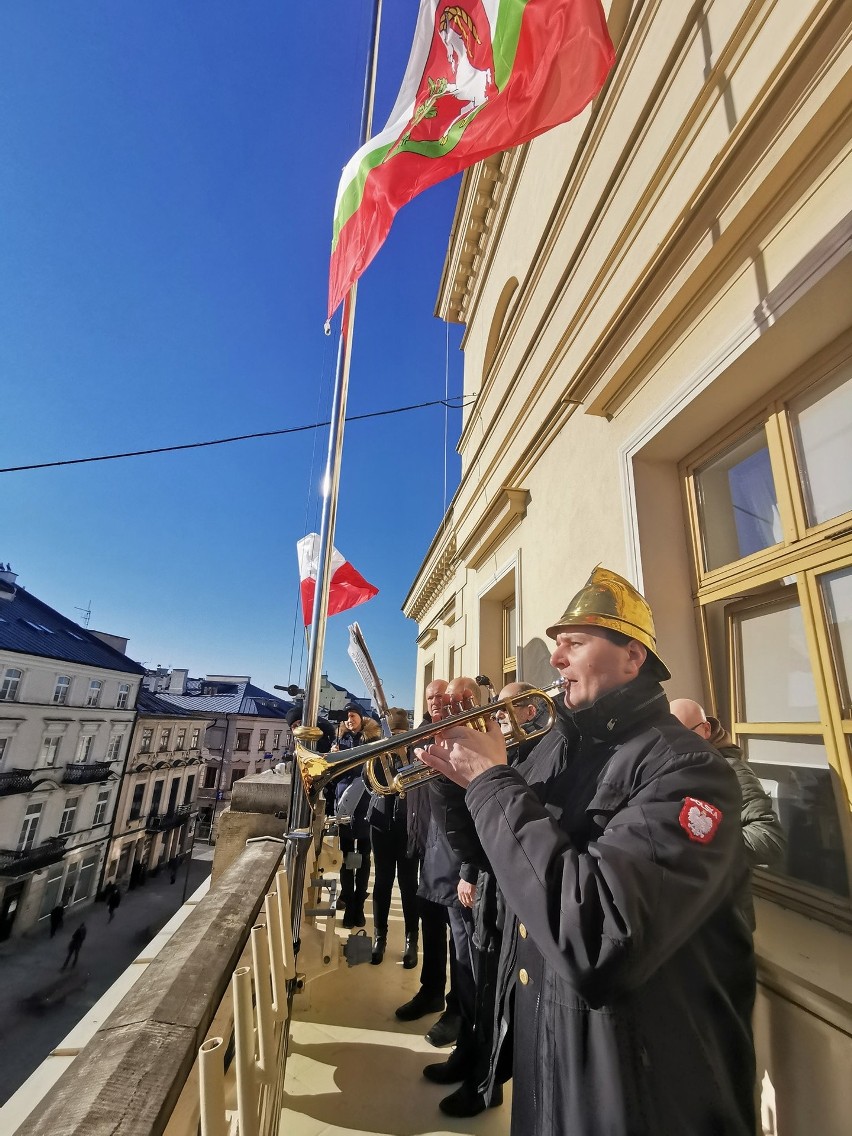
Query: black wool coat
[627, 971]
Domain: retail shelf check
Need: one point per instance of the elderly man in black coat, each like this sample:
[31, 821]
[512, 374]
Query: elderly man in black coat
[626, 978]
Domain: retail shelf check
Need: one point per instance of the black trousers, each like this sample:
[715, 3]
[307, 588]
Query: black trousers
[354, 883]
[392, 863]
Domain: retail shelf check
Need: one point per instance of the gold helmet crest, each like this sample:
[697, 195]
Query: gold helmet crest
[608, 600]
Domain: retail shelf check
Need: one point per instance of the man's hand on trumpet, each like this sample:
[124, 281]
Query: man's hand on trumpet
[462, 754]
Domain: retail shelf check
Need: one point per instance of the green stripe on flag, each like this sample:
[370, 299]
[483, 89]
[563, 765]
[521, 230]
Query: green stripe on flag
[506, 36]
[354, 192]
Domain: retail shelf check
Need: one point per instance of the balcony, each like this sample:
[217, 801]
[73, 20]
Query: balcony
[162, 822]
[86, 774]
[13, 863]
[15, 781]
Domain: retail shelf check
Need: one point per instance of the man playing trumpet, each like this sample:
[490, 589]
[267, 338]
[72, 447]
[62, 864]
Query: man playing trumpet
[626, 977]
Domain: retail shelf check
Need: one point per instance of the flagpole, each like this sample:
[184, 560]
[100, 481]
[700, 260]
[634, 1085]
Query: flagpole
[300, 811]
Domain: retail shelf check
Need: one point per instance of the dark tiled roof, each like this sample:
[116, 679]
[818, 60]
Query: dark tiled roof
[157, 707]
[245, 699]
[31, 627]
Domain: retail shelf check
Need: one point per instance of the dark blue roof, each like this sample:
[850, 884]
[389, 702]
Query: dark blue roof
[31, 627]
[242, 698]
[152, 704]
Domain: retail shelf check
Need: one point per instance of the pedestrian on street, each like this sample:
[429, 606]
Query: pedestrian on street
[173, 868]
[113, 901]
[57, 917]
[77, 940]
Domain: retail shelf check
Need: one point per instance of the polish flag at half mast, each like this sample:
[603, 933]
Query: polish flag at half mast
[348, 588]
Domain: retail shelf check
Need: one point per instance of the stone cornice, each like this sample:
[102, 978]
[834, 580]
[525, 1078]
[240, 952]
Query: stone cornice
[442, 570]
[473, 224]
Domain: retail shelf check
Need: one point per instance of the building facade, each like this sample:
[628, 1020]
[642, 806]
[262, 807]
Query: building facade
[247, 732]
[657, 300]
[158, 800]
[67, 703]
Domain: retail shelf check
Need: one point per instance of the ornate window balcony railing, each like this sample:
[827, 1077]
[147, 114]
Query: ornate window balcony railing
[15, 781]
[86, 774]
[14, 863]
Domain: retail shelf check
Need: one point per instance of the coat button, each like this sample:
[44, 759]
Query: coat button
[522, 931]
[523, 976]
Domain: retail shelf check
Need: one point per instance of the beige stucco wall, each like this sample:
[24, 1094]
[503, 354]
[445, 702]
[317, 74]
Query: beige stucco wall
[680, 250]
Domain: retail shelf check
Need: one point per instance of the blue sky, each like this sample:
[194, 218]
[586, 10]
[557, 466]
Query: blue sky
[166, 194]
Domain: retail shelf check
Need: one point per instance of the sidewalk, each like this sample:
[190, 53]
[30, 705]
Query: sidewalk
[39, 1003]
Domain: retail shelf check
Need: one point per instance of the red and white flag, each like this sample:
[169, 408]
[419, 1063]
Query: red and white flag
[483, 76]
[348, 588]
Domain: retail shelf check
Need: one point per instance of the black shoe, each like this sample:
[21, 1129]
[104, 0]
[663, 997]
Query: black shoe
[455, 1068]
[353, 918]
[467, 1101]
[409, 955]
[445, 1031]
[380, 941]
[421, 1004]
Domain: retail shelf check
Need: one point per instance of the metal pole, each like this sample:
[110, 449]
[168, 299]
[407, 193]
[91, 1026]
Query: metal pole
[300, 812]
[189, 856]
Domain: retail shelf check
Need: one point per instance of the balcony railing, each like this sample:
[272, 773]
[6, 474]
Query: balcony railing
[14, 863]
[15, 781]
[162, 822]
[86, 774]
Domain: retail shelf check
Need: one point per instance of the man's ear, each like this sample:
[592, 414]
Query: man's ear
[637, 653]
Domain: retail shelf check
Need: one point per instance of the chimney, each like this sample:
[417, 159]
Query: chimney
[177, 683]
[7, 582]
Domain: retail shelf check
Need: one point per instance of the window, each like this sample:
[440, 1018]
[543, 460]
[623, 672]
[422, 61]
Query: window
[243, 740]
[181, 739]
[60, 691]
[261, 741]
[510, 641]
[237, 775]
[30, 827]
[9, 685]
[451, 664]
[114, 748]
[49, 750]
[210, 774]
[174, 789]
[193, 741]
[123, 696]
[772, 549]
[69, 814]
[276, 740]
[190, 785]
[156, 797]
[136, 803]
[165, 738]
[84, 748]
[147, 738]
[4, 748]
[93, 698]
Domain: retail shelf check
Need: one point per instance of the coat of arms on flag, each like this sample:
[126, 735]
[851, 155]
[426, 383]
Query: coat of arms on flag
[483, 76]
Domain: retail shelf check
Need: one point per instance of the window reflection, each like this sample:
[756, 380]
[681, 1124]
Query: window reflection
[837, 598]
[794, 771]
[777, 678]
[738, 502]
[822, 428]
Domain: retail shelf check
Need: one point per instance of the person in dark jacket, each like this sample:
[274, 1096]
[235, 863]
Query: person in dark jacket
[74, 945]
[436, 888]
[355, 836]
[763, 836]
[627, 975]
[388, 821]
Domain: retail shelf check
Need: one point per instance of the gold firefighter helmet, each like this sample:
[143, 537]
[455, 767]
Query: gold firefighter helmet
[608, 600]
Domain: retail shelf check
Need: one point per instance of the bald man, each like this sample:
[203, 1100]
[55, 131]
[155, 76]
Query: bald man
[764, 838]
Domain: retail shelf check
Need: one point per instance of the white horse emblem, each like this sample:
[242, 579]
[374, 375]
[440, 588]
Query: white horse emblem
[458, 34]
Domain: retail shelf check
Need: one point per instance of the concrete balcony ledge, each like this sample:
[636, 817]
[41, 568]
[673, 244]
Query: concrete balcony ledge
[127, 1079]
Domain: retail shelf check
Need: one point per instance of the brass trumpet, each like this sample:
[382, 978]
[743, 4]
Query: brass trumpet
[318, 770]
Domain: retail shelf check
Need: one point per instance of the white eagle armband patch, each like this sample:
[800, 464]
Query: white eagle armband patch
[699, 820]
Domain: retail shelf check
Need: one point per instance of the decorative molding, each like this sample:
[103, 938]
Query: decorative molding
[427, 638]
[504, 513]
[443, 570]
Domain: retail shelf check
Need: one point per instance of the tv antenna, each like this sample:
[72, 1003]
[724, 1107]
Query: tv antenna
[87, 613]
